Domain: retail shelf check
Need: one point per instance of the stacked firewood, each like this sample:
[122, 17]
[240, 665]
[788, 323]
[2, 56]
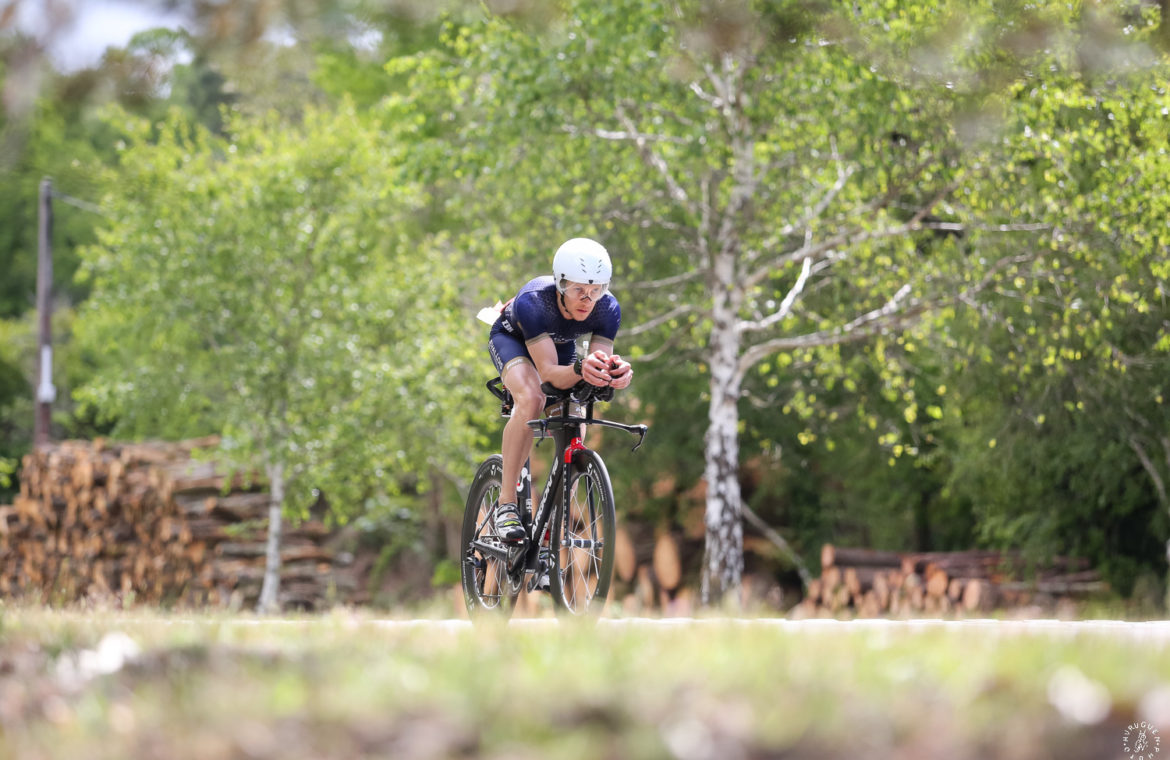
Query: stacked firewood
[871, 583]
[153, 524]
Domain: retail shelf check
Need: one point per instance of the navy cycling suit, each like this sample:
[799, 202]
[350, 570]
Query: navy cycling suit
[534, 314]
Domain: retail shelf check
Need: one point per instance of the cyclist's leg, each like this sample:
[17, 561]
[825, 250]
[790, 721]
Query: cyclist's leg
[523, 381]
[520, 377]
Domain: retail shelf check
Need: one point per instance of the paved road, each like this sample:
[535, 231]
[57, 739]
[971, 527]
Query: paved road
[1152, 631]
[1155, 630]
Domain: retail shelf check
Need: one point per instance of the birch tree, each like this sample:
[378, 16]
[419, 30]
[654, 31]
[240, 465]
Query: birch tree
[768, 190]
[267, 287]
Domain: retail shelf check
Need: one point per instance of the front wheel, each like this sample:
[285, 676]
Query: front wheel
[487, 587]
[582, 541]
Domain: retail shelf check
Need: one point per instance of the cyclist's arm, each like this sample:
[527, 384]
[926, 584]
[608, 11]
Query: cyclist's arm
[617, 374]
[598, 343]
[544, 355]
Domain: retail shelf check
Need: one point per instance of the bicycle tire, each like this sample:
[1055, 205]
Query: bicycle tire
[582, 572]
[487, 589]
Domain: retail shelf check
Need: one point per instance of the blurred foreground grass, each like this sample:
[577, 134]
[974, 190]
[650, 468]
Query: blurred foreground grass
[106, 684]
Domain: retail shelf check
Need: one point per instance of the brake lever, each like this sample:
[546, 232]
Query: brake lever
[642, 429]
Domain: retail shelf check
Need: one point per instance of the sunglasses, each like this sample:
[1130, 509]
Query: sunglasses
[582, 292]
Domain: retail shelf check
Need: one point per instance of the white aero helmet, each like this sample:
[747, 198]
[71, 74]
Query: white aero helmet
[581, 260]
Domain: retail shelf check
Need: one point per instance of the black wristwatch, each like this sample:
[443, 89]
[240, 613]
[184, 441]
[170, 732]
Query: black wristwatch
[577, 367]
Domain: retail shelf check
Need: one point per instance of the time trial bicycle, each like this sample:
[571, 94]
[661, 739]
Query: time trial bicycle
[570, 538]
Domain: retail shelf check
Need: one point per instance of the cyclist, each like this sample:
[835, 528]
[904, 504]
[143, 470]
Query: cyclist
[534, 340]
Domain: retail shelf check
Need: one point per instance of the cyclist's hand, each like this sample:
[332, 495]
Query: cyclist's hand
[620, 372]
[595, 369]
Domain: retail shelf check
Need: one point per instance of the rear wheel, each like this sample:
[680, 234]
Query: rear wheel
[582, 542]
[487, 588]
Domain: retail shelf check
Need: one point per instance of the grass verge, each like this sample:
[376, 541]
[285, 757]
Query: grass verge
[98, 684]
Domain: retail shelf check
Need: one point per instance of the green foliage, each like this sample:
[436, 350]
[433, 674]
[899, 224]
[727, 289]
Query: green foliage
[56, 134]
[16, 409]
[447, 574]
[266, 287]
[7, 469]
[50, 146]
[543, 127]
[1055, 426]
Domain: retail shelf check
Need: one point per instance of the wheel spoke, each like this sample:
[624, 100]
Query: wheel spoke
[582, 546]
[486, 585]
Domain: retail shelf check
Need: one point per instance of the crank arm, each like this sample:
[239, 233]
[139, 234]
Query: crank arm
[506, 553]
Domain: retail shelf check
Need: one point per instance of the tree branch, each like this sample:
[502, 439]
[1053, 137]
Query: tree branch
[914, 224]
[631, 135]
[851, 237]
[888, 315]
[641, 221]
[965, 295]
[677, 279]
[777, 539]
[712, 100]
[1150, 468]
[957, 227]
[657, 162]
[843, 175]
[670, 342]
[677, 311]
[877, 204]
[785, 305]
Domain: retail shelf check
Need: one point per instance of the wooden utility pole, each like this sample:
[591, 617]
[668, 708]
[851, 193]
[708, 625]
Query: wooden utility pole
[46, 392]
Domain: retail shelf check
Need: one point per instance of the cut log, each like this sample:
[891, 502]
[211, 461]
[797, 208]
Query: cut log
[830, 580]
[644, 588]
[813, 592]
[881, 590]
[839, 600]
[625, 559]
[837, 555]
[870, 606]
[242, 506]
[978, 595]
[667, 564]
[937, 582]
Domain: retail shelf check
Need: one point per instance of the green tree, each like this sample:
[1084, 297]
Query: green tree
[1064, 411]
[56, 133]
[267, 287]
[770, 192]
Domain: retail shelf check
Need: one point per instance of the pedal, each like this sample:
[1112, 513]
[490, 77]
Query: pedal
[540, 580]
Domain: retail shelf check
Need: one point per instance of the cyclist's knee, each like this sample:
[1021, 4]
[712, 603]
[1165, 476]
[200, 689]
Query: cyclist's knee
[528, 402]
[524, 384]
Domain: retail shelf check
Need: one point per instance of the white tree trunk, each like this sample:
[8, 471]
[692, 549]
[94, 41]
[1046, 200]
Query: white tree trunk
[270, 591]
[723, 563]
